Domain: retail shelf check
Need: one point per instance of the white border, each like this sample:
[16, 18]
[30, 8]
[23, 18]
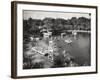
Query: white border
[21, 72]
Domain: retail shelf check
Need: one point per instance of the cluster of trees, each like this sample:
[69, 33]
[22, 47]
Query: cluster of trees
[58, 24]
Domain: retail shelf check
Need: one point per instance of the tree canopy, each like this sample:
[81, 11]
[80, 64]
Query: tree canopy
[58, 24]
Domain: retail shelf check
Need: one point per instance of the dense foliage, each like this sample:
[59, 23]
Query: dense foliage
[58, 24]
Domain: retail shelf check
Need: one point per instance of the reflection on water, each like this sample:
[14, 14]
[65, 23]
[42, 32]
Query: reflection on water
[79, 48]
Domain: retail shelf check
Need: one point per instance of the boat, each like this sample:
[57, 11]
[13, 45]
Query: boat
[68, 41]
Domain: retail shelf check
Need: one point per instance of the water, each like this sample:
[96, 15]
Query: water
[79, 48]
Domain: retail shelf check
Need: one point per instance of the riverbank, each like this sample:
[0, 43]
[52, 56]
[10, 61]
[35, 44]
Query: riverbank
[79, 31]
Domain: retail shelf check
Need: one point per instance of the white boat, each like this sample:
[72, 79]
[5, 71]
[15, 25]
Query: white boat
[68, 41]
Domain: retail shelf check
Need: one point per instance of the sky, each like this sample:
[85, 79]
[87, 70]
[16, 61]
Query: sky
[42, 14]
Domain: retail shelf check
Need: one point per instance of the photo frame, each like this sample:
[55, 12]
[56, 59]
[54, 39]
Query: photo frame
[50, 39]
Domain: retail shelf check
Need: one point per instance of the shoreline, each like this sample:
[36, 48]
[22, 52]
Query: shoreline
[79, 31]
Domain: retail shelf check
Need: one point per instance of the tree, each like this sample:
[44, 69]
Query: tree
[84, 23]
[59, 24]
[48, 23]
[74, 22]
